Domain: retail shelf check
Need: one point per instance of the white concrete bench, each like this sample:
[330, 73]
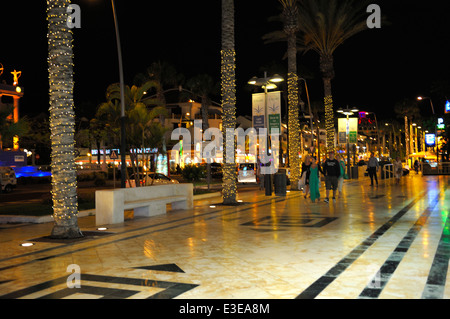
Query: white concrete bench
[145, 201]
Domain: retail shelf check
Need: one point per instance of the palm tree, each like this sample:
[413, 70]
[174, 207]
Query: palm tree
[203, 85]
[407, 109]
[324, 25]
[228, 72]
[289, 17]
[62, 122]
[165, 75]
[137, 111]
[290, 22]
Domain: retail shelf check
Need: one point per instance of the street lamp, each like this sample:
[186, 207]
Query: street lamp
[348, 112]
[311, 117]
[421, 98]
[123, 139]
[267, 83]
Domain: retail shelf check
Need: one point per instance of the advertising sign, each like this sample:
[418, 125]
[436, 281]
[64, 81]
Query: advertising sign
[352, 130]
[273, 110]
[258, 113]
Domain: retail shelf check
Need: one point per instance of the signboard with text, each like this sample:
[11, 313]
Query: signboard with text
[352, 130]
[258, 113]
[273, 110]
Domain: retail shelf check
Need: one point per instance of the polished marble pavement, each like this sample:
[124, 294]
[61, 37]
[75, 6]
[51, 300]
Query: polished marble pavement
[390, 241]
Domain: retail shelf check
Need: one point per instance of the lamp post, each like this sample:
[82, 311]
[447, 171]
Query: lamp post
[123, 139]
[421, 98]
[310, 113]
[348, 112]
[267, 83]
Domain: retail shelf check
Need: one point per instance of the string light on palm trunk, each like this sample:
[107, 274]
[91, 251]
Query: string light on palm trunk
[62, 116]
[228, 66]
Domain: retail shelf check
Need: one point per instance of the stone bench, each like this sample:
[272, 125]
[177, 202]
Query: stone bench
[145, 201]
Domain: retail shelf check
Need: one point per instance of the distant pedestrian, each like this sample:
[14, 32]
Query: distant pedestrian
[398, 170]
[332, 172]
[341, 177]
[314, 179]
[372, 168]
[416, 166]
[306, 174]
[259, 176]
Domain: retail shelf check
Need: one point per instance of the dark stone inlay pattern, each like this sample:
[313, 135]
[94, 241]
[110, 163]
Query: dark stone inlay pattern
[320, 284]
[86, 235]
[390, 265]
[171, 289]
[269, 221]
[165, 267]
[434, 288]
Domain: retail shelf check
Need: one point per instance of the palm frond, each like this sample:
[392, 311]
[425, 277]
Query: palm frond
[324, 25]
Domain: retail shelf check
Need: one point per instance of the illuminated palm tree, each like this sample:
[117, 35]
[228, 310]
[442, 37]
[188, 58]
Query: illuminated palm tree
[139, 117]
[62, 122]
[407, 110]
[324, 25]
[290, 22]
[228, 72]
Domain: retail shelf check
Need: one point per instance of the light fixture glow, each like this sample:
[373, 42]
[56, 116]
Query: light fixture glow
[26, 244]
[253, 80]
[276, 79]
[270, 86]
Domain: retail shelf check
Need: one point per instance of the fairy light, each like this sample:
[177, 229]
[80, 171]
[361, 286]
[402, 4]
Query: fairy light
[294, 128]
[228, 71]
[329, 122]
[62, 116]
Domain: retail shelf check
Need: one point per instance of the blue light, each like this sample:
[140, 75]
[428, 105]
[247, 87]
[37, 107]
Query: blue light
[29, 171]
[430, 139]
[447, 107]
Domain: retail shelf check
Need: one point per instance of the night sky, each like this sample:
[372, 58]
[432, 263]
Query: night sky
[374, 70]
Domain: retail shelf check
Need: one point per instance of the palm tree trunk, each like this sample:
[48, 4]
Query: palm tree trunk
[62, 123]
[290, 28]
[228, 72]
[327, 69]
[293, 121]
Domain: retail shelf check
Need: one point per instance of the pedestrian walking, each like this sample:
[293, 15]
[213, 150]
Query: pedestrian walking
[398, 170]
[372, 168]
[332, 172]
[416, 166]
[314, 180]
[341, 177]
[306, 174]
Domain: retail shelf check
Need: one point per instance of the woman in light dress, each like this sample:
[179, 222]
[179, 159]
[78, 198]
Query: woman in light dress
[305, 171]
[341, 177]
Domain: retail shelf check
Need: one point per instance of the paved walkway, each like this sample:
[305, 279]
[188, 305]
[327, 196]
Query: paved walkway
[390, 241]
